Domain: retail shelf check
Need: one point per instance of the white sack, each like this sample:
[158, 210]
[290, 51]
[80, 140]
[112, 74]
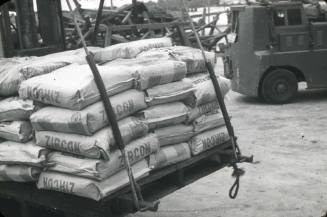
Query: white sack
[204, 90]
[208, 139]
[10, 78]
[48, 63]
[74, 87]
[96, 146]
[19, 173]
[172, 92]
[15, 109]
[174, 134]
[165, 114]
[191, 56]
[151, 72]
[207, 122]
[17, 131]
[207, 108]
[99, 169]
[169, 155]
[89, 188]
[22, 153]
[89, 120]
[130, 50]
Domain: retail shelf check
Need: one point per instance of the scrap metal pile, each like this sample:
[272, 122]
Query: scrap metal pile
[135, 22]
[57, 133]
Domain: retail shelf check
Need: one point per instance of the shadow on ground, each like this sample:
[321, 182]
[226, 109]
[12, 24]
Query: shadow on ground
[302, 96]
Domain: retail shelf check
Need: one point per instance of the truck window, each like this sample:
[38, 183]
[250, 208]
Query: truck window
[294, 17]
[279, 18]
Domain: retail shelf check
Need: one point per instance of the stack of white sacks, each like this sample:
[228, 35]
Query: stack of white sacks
[21, 159]
[164, 102]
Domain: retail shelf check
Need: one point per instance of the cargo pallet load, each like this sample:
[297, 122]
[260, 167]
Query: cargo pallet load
[136, 130]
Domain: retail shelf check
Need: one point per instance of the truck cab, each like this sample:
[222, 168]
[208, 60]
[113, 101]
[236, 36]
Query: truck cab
[276, 46]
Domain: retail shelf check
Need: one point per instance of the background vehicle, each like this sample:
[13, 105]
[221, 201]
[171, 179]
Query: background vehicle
[277, 45]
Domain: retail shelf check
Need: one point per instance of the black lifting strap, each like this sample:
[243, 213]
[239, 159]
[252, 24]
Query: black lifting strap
[139, 203]
[237, 172]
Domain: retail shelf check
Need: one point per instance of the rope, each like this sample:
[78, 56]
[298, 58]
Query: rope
[237, 173]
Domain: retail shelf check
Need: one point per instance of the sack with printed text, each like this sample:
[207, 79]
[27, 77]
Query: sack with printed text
[165, 114]
[130, 50]
[207, 108]
[191, 56]
[169, 155]
[19, 173]
[90, 188]
[73, 87]
[89, 120]
[96, 146]
[22, 153]
[15, 109]
[204, 90]
[99, 169]
[153, 72]
[17, 131]
[208, 140]
[207, 122]
[172, 92]
[174, 134]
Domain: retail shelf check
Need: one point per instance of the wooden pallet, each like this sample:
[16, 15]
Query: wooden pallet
[25, 200]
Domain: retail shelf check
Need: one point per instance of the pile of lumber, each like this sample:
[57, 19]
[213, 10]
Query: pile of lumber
[136, 22]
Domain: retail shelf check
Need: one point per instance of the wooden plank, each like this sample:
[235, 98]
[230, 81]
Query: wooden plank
[119, 28]
[108, 37]
[201, 15]
[26, 23]
[203, 20]
[97, 22]
[50, 25]
[127, 17]
[184, 39]
[6, 37]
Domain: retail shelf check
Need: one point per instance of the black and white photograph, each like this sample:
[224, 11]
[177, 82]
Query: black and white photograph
[163, 108]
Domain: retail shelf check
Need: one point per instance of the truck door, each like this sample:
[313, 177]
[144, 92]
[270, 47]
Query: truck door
[290, 29]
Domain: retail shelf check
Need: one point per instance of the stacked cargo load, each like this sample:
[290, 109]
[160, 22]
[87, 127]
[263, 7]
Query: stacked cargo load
[74, 126]
[162, 98]
[192, 123]
[21, 159]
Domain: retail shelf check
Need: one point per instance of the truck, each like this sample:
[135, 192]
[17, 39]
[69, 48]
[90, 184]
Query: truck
[276, 45]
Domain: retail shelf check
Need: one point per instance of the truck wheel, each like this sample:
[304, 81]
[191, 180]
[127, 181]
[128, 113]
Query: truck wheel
[279, 86]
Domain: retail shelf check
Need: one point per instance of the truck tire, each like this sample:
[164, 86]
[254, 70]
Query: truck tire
[279, 86]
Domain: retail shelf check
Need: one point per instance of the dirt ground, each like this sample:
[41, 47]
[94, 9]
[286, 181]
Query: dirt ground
[289, 143]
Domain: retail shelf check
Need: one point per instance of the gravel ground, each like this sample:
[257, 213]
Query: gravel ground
[289, 143]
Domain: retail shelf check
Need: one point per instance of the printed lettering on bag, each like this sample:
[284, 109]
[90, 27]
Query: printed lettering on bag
[125, 108]
[59, 185]
[154, 80]
[207, 107]
[76, 117]
[45, 95]
[62, 144]
[213, 141]
[136, 154]
[137, 128]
